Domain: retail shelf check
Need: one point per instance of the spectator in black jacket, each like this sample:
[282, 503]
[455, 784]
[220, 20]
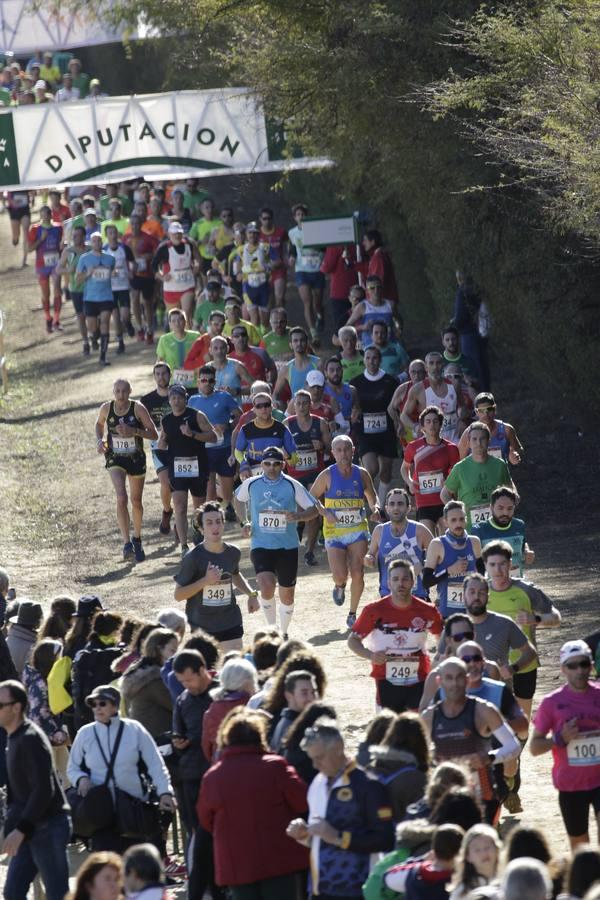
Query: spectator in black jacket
[37, 827]
[92, 665]
[190, 670]
[292, 751]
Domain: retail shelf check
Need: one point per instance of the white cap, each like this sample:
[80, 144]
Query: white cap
[96, 234]
[40, 85]
[175, 228]
[574, 648]
[315, 377]
[89, 212]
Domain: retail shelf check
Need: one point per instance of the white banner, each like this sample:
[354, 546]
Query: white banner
[24, 29]
[157, 136]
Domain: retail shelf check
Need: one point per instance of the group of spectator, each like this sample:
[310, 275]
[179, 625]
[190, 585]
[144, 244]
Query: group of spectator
[45, 78]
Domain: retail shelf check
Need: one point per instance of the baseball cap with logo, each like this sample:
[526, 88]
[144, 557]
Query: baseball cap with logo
[315, 377]
[175, 228]
[574, 648]
[274, 453]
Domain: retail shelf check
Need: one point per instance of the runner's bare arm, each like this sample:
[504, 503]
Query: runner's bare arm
[446, 495]
[101, 421]
[528, 655]
[424, 536]
[406, 475]
[413, 403]
[326, 435]
[371, 555]
[162, 441]
[356, 645]
[429, 689]
[149, 431]
[207, 432]
[463, 444]
[395, 402]
[356, 408]
[280, 383]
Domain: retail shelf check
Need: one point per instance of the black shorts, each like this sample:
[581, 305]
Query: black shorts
[217, 461]
[230, 634]
[575, 809]
[122, 299]
[282, 563]
[17, 214]
[385, 445]
[134, 465]
[398, 697]
[93, 309]
[205, 265]
[433, 513]
[524, 684]
[144, 285]
[196, 486]
[77, 300]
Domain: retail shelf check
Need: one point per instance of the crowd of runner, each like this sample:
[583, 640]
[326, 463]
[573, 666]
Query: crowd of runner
[346, 454]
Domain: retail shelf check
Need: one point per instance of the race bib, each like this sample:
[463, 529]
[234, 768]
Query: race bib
[280, 364]
[479, 514]
[183, 376]
[348, 517]
[123, 446]
[496, 452]
[307, 460]
[454, 595]
[217, 594]
[584, 750]
[141, 263]
[312, 260]
[119, 274]
[402, 670]
[185, 467]
[374, 423]
[101, 273]
[255, 279]
[450, 422]
[431, 482]
[272, 520]
[183, 276]
[50, 260]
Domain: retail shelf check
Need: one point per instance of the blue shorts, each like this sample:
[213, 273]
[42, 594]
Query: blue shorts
[217, 461]
[342, 541]
[257, 296]
[314, 280]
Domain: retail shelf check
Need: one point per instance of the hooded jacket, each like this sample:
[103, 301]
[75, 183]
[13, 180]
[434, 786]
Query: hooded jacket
[397, 770]
[147, 699]
[20, 642]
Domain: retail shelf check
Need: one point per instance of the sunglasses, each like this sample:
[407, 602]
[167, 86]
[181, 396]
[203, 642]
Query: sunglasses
[101, 703]
[207, 380]
[485, 409]
[262, 405]
[271, 462]
[475, 657]
[582, 664]
[463, 635]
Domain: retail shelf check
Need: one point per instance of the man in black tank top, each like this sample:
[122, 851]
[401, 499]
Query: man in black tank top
[127, 423]
[184, 434]
[462, 727]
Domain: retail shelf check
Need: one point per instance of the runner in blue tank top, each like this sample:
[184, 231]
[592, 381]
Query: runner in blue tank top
[345, 488]
[343, 395]
[295, 371]
[504, 442]
[399, 538]
[450, 557]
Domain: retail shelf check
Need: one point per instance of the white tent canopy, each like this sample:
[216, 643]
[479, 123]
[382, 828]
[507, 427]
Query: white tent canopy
[25, 29]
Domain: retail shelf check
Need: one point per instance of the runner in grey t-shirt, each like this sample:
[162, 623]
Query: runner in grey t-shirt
[207, 578]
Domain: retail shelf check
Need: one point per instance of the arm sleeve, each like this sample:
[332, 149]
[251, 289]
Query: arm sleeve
[377, 833]
[242, 492]
[154, 761]
[303, 498]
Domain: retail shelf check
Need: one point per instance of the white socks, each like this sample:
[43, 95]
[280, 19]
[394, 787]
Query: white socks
[285, 617]
[382, 491]
[269, 610]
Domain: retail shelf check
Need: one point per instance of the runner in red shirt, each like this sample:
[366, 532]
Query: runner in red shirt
[143, 284]
[256, 361]
[392, 634]
[427, 464]
[277, 239]
[60, 212]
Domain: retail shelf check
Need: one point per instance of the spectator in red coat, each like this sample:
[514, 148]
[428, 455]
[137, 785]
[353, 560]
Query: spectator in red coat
[237, 683]
[247, 800]
[380, 264]
[340, 264]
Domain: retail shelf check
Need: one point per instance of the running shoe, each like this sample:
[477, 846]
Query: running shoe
[121, 347]
[141, 335]
[95, 340]
[165, 521]
[103, 361]
[230, 515]
[350, 620]
[339, 595]
[150, 339]
[86, 349]
[138, 550]
[310, 559]
[56, 326]
[513, 803]
[49, 326]
[184, 550]
[175, 869]
[128, 551]
[130, 330]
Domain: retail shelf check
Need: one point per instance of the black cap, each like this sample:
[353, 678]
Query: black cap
[104, 692]
[274, 453]
[87, 606]
[29, 614]
[178, 389]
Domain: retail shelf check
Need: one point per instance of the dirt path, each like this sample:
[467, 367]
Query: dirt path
[59, 532]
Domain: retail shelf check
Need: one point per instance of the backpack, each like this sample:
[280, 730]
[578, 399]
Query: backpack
[374, 887]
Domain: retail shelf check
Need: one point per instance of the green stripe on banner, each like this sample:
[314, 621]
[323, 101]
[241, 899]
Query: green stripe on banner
[185, 161]
[9, 164]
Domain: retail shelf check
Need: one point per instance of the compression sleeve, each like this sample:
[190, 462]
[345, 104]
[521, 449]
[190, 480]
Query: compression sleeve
[430, 578]
[509, 742]
[480, 565]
